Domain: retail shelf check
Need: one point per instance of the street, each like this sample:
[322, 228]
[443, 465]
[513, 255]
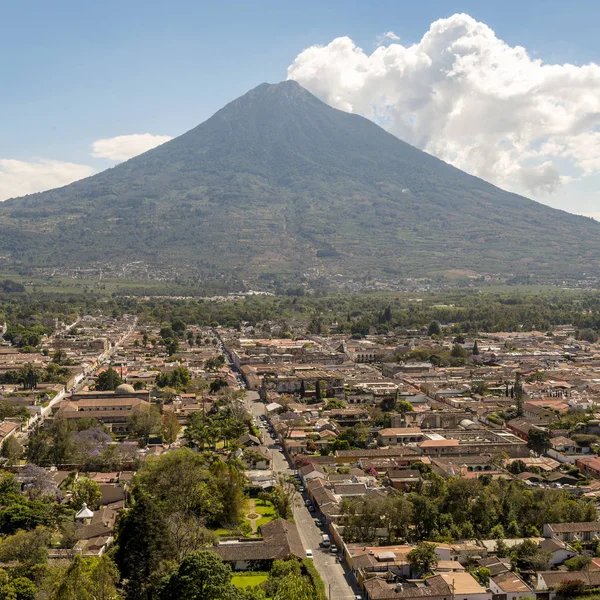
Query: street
[337, 581]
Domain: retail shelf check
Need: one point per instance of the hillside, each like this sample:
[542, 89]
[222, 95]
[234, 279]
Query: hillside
[277, 182]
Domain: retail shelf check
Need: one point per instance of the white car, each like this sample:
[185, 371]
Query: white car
[309, 553]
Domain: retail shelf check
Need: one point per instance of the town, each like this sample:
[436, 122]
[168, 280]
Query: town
[406, 463]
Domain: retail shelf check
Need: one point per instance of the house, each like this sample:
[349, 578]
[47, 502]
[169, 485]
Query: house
[8, 429]
[564, 444]
[548, 580]
[258, 458]
[393, 436]
[402, 455]
[495, 565]
[570, 532]
[280, 539]
[402, 479]
[434, 588]
[465, 587]
[508, 586]
[248, 440]
[560, 551]
[589, 465]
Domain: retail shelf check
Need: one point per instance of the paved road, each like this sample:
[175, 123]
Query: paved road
[337, 581]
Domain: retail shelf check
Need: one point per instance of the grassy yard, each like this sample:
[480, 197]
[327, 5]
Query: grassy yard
[266, 510]
[252, 579]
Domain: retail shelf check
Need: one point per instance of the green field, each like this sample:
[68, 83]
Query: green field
[251, 579]
[266, 510]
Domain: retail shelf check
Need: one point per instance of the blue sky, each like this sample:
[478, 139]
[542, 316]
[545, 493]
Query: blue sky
[76, 72]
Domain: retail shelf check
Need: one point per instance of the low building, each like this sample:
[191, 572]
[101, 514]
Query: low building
[280, 539]
[509, 586]
[570, 532]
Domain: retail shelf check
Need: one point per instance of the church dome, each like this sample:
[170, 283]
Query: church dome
[124, 388]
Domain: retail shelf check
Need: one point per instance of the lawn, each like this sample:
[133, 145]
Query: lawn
[252, 579]
[266, 510]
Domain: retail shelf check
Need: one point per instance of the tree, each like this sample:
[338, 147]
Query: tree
[88, 579]
[502, 549]
[215, 363]
[201, 575]
[434, 328]
[85, 491]
[518, 393]
[570, 588]
[295, 587]
[578, 563]
[403, 407]
[188, 534]
[516, 467]
[482, 574]
[143, 544]
[458, 351]
[423, 558]
[145, 421]
[12, 450]
[217, 384]
[108, 380]
[178, 326]
[20, 588]
[59, 357]
[26, 547]
[475, 349]
[180, 481]
[29, 376]
[171, 346]
[170, 427]
[538, 440]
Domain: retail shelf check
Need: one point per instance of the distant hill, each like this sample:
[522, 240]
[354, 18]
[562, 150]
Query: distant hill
[277, 182]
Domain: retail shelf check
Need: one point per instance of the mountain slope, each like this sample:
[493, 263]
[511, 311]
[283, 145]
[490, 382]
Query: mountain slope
[278, 182]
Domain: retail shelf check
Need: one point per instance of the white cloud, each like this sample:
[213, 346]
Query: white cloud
[384, 38]
[469, 98]
[18, 177]
[123, 147]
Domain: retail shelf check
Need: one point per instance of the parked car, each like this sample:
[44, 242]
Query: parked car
[307, 502]
[301, 489]
[333, 549]
[309, 553]
[311, 508]
[319, 523]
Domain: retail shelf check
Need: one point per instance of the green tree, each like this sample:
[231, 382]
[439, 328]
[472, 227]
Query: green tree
[578, 563]
[295, 587]
[144, 422]
[85, 491]
[201, 575]
[403, 407]
[519, 394]
[12, 450]
[171, 346]
[170, 427]
[26, 547]
[423, 558]
[88, 579]
[143, 545]
[538, 440]
[108, 380]
[434, 328]
[217, 384]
